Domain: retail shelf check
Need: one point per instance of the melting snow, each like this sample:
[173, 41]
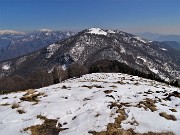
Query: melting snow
[97, 31]
[86, 109]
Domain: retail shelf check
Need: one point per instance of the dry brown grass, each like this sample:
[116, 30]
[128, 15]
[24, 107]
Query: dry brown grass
[174, 93]
[115, 128]
[120, 82]
[5, 98]
[113, 86]
[98, 86]
[173, 110]
[151, 133]
[90, 87]
[21, 111]
[5, 104]
[32, 96]
[148, 103]
[29, 91]
[47, 128]
[167, 116]
[108, 91]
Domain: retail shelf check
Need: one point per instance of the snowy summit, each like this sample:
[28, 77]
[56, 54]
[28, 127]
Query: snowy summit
[95, 104]
[97, 31]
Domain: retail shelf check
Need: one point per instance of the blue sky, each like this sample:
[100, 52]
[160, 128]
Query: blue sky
[160, 16]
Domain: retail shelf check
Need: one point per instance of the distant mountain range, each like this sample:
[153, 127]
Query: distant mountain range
[14, 44]
[91, 45]
[159, 37]
[173, 44]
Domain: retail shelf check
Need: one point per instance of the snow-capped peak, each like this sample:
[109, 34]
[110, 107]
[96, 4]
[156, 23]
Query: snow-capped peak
[45, 30]
[10, 32]
[97, 31]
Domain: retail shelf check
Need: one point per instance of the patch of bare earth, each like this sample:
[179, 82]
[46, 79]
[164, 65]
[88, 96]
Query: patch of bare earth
[90, 87]
[173, 110]
[147, 103]
[174, 93]
[113, 86]
[108, 91]
[115, 128]
[21, 111]
[47, 128]
[167, 116]
[32, 96]
[5, 104]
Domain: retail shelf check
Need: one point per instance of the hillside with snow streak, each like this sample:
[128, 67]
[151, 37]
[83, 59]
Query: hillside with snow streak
[95, 104]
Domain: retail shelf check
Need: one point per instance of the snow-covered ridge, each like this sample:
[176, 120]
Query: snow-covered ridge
[91, 102]
[99, 31]
[10, 32]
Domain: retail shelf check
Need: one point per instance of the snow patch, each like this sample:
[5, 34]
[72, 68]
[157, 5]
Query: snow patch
[122, 50]
[140, 39]
[110, 31]
[154, 70]
[163, 49]
[68, 34]
[51, 49]
[139, 57]
[97, 31]
[6, 67]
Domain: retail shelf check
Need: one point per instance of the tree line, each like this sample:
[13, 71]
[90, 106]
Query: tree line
[41, 78]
